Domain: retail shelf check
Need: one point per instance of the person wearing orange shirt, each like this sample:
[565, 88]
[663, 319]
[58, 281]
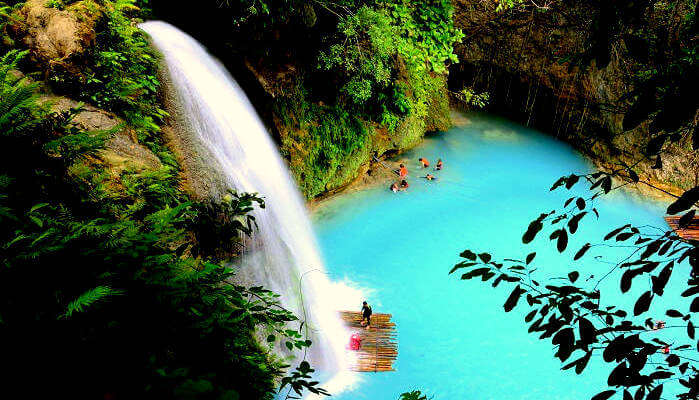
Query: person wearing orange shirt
[402, 171]
[425, 163]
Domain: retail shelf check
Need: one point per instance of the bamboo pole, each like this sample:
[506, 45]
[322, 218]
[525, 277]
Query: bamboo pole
[379, 347]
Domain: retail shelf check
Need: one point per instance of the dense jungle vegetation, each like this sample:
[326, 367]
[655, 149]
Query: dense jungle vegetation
[112, 277]
[112, 283]
[108, 288]
[369, 77]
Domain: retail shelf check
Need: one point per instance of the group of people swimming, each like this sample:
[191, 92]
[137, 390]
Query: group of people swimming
[402, 172]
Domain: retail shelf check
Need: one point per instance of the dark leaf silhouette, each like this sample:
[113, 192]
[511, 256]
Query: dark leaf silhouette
[639, 393]
[562, 239]
[686, 219]
[603, 395]
[690, 330]
[461, 265]
[582, 251]
[656, 144]
[643, 303]
[655, 393]
[582, 363]
[530, 316]
[512, 299]
[607, 184]
[565, 339]
[672, 360]
[694, 307]
[618, 374]
[616, 232]
[633, 175]
[626, 280]
[685, 201]
[468, 254]
[573, 276]
[573, 222]
[660, 281]
[580, 202]
[534, 228]
[530, 257]
[587, 331]
[571, 181]
[485, 257]
[624, 236]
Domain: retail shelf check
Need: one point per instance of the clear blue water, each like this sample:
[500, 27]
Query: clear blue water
[455, 341]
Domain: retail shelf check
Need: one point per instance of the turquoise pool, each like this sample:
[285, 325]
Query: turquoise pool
[455, 341]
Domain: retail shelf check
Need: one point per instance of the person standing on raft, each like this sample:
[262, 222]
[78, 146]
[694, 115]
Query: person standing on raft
[366, 314]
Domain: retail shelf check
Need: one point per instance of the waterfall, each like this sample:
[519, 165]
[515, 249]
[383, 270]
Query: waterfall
[283, 255]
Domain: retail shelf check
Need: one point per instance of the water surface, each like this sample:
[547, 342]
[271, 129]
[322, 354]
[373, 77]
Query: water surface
[455, 341]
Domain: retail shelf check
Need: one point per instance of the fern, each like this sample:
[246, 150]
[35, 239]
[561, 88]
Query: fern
[18, 98]
[88, 299]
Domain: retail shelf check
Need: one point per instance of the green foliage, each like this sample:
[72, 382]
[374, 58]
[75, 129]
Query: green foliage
[331, 137]
[99, 280]
[89, 298]
[57, 4]
[122, 73]
[472, 99]
[362, 53]
[387, 55]
[18, 106]
[413, 395]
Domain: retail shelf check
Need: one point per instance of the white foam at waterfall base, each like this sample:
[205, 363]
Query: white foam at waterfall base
[283, 255]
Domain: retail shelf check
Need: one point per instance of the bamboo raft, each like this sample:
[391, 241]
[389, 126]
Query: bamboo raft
[379, 347]
[691, 232]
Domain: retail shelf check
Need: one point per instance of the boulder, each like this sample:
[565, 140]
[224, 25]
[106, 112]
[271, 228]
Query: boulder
[56, 38]
[122, 150]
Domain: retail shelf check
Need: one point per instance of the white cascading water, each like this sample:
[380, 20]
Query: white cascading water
[283, 256]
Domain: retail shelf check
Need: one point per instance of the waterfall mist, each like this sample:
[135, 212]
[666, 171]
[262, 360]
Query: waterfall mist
[283, 255]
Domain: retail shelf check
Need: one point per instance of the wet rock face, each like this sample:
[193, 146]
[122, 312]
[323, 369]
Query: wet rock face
[57, 38]
[522, 58]
[122, 150]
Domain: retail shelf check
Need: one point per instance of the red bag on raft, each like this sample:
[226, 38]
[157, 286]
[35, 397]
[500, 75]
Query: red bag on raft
[355, 342]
